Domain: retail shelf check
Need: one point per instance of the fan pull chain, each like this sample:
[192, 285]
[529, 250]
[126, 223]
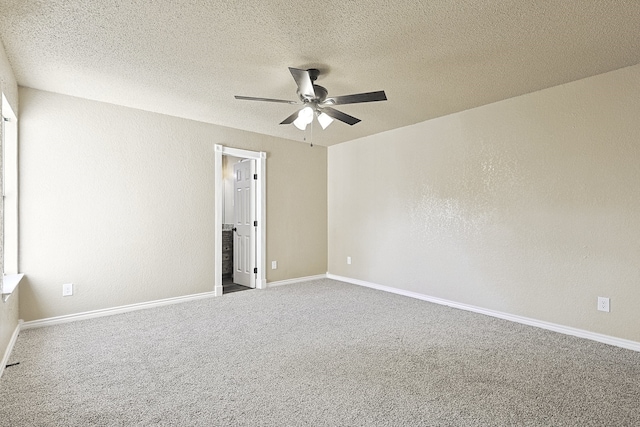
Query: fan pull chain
[304, 138]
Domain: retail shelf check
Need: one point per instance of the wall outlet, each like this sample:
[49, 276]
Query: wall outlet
[274, 265]
[67, 289]
[603, 304]
[348, 260]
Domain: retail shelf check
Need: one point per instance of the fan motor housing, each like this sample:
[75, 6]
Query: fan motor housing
[321, 95]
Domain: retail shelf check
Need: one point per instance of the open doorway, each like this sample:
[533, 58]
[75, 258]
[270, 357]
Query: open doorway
[239, 219]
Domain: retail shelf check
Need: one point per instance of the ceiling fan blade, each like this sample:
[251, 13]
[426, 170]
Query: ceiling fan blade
[357, 98]
[290, 119]
[251, 98]
[339, 115]
[303, 80]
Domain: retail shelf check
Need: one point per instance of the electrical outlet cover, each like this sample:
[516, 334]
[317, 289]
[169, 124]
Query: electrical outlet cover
[603, 304]
[67, 289]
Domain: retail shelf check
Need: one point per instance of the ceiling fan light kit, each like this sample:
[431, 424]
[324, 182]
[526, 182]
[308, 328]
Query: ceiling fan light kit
[325, 120]
[315, 102]
[305, 116]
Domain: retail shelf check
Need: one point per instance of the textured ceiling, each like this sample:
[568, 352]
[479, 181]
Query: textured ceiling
[188, 58]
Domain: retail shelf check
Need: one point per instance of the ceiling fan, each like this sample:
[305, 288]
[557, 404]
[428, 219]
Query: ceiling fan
[316, 103]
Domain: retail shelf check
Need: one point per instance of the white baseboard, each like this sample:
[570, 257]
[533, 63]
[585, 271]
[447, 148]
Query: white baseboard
[606, 339]
[297, 280]
[144, 305]
[114, 310]
[9, 349]
[218, 290]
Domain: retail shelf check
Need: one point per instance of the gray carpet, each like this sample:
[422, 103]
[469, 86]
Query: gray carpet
[320, 353]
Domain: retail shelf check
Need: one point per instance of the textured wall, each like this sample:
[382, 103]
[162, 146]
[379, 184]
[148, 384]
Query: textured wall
[9, 309]
[121, 201]
[527, 206]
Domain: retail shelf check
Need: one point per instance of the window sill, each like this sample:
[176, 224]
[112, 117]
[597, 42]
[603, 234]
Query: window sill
[9, 284]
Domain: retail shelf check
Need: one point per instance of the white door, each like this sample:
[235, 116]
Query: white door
[244, 237]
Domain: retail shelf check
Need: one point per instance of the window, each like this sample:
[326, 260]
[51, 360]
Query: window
[11, 278]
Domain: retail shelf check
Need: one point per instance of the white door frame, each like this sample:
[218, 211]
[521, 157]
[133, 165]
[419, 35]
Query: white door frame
[261, 207]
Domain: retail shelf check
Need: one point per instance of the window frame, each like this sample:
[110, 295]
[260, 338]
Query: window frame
[11, 277]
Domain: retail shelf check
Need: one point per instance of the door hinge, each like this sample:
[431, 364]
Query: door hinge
[255, 176]
[255, 270]
[255, 223]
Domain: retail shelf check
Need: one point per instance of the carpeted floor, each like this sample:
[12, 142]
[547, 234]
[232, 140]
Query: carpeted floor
[320, 353]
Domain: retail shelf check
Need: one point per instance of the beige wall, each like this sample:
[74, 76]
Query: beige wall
[9, 309]
[120, 202]
[529, 206]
